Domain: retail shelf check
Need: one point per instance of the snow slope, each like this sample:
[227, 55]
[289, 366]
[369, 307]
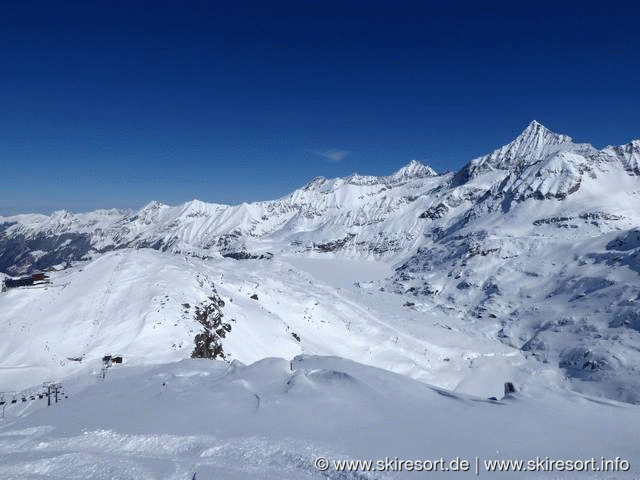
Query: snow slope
[274, 418]
[140, 303]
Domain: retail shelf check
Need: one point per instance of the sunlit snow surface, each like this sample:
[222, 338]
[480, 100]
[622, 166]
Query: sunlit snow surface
[272, 419]
[158, 416]
[134, 302]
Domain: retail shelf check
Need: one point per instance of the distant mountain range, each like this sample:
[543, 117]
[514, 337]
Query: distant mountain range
[536, 244]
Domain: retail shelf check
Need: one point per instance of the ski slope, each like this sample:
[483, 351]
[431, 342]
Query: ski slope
[273, 419]
[139, 303]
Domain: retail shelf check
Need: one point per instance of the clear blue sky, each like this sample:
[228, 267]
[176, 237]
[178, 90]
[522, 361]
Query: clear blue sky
[115, 105]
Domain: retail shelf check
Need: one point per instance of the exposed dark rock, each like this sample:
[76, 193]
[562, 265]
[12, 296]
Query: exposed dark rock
[208, 343]
[435, 212]
[628, 241]
[334, 245]
[509, 389]
[583, 363]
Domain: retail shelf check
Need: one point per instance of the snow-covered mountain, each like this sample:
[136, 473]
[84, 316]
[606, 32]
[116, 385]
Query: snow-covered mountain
[358, 215]
[531, 252]
[364, 215]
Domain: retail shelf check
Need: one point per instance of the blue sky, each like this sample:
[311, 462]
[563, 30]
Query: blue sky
[114, 105]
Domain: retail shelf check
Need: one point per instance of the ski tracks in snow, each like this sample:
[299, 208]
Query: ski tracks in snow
[100, 316]
[105, 454]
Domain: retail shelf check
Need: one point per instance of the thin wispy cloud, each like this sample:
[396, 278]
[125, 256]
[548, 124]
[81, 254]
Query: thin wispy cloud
[333, 156]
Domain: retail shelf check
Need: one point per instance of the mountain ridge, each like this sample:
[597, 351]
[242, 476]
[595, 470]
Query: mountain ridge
[538, 164]
[533, 142]
[518, 246]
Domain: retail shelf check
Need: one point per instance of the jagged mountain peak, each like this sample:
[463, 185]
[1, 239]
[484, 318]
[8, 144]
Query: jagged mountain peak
[198, 206]
[535, 143]
[632, 147]
[536, 128]
[315, 182]
[537, 135]
[628, 154]
[153, 205]
[414, 169]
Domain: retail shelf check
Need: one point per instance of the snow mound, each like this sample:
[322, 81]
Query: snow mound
[274, 418]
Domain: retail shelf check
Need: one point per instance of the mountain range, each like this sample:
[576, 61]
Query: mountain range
[532, 252]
